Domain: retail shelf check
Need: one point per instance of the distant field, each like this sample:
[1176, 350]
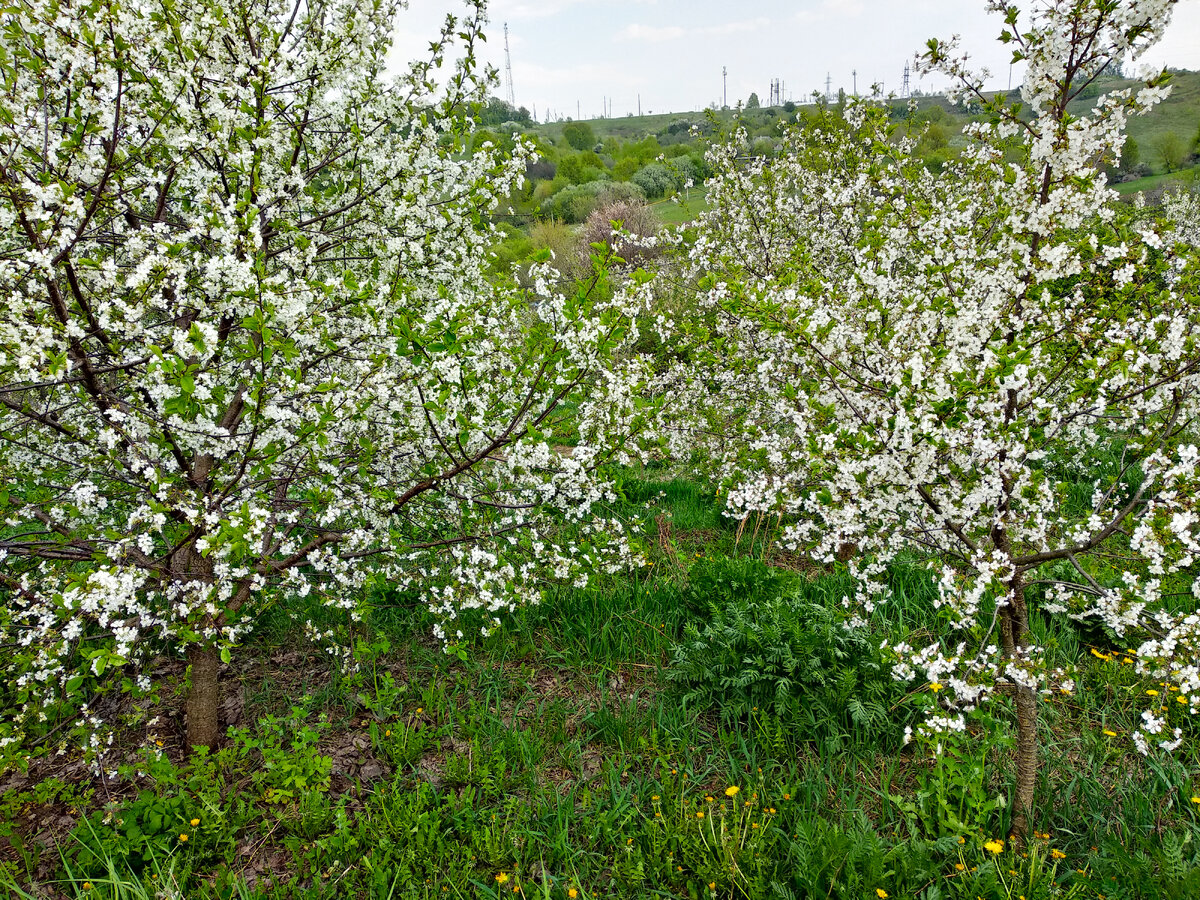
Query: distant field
[1179, 113]
[677, 211]
[1151, 182]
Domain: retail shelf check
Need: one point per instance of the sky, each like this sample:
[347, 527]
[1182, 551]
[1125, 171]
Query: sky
[578, 58]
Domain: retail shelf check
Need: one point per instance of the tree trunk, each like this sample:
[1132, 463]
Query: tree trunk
[204, 686]
[204, 697]
[1014, 629]
[1027, 714]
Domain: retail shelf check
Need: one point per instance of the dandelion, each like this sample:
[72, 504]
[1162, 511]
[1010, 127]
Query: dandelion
[699, 814]
[1152, 693]
[194, 822]
[732, 790]
[183, 838]
[502, 877]
[1110, 733]
[712, 885]
[572, 893]
[87, 885]
[960, 867]
[1196, 799]
[420, 709]
[881, 893]
[994, 846]
[1057, 854]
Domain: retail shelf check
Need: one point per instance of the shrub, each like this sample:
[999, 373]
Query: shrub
[767, 650]
[632, 216]
[579, 135]
[657, 180]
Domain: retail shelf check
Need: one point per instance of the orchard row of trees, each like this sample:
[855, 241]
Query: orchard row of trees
[250, 351]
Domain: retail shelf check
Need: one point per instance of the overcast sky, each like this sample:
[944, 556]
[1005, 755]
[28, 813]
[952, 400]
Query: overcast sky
[571, 57]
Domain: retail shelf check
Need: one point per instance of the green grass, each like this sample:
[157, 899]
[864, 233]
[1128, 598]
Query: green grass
[684, 208]
[558, 756]
[1155, 182]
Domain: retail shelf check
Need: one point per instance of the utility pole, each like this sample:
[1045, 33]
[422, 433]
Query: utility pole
[639, 106]
[724, 87]
[855, 75]
[906, 90]
[828, 87]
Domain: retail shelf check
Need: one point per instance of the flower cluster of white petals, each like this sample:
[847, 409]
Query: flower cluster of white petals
[248, 348]
[995, 366]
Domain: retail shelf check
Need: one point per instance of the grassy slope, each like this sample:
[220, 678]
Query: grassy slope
[555, 757]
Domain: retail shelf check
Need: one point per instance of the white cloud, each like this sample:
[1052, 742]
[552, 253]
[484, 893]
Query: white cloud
[661, 33]
[653, 34]
[736, 27]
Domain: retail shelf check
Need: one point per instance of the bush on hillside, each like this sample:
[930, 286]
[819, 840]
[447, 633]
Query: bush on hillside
[633, 216]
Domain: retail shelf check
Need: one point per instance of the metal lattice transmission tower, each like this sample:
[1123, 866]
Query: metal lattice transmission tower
[512, 99]
[906, 90]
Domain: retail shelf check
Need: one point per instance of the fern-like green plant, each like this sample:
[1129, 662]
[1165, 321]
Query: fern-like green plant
[768, 650]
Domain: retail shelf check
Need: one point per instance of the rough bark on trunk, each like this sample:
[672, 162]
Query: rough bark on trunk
[204, 686]
[204, 697]
[1027, 713]
[1015, 637]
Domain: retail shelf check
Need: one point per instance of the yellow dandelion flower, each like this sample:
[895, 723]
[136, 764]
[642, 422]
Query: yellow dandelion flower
[1152, 693]
[502, 877]
[183, 838]
[87, 885]
[194, 822]
[699, 814]
[881, 893]
[1057, 854]
[960, 867]
[572, 893]
[994, 846]
[1110, 733]
[712, 885]
[1196, 799]
[732, 790]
